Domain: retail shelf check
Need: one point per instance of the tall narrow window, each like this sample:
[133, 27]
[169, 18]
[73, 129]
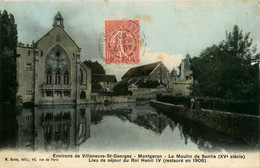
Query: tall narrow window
[86, 78]
[29, 52]
[66, 78]
[81, 77]
[57, 78]
[41, 53]
[49, 77]
[82, 95]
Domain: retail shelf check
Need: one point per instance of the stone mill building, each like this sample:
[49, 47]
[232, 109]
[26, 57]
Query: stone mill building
[49, 72]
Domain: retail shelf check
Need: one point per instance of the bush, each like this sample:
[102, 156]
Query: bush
[149, 84]
[235, 106]
[121, 89]
[95, 88]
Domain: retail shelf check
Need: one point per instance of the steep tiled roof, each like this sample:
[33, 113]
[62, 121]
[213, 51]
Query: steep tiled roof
[140, 70]
[103, 78]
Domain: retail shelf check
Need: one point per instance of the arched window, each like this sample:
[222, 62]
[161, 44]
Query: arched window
[66, 78]
[49, 77]
[57, 78]
[81, 77]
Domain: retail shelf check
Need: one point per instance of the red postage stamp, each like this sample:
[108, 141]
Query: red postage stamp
[121, 41]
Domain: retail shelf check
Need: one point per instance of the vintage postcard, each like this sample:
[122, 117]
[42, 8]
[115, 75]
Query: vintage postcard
[129, 83]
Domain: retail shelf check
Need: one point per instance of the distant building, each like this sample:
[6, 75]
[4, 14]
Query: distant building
[103, 83]
[50, 72]
[150, 72]
[181, 84]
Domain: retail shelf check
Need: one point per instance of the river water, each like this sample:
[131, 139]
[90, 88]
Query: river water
[117, 127]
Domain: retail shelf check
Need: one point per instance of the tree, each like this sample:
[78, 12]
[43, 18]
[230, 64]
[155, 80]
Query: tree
[96, 87]
[149, 84]
[8, 41]
[121, 89]
[96, 68]
[224, 70]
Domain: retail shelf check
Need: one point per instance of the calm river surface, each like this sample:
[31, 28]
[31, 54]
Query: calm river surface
[117, 127]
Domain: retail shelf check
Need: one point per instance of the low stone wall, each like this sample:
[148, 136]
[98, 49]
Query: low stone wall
[241, 126]
[96, 98]
[109, 99]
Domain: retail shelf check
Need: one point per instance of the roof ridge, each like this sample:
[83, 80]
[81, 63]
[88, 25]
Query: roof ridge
[104, 74]
[147, 64]
[141, 70]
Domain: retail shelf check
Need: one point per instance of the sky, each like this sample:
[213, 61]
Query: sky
[171, 29]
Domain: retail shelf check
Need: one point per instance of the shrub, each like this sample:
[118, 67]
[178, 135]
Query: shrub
[149, 84]
[121, 89]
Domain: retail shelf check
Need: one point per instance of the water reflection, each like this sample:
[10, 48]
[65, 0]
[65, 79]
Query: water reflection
[141, 115]
[124, 126]
[57, 128]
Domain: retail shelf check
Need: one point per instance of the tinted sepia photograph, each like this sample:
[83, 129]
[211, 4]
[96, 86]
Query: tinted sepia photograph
[130, 76]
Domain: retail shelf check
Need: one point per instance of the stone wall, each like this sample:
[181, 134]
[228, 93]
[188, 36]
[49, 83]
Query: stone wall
[145, 94]
[25, 74]
[241, 126]
[95, 98]
[148, 91]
